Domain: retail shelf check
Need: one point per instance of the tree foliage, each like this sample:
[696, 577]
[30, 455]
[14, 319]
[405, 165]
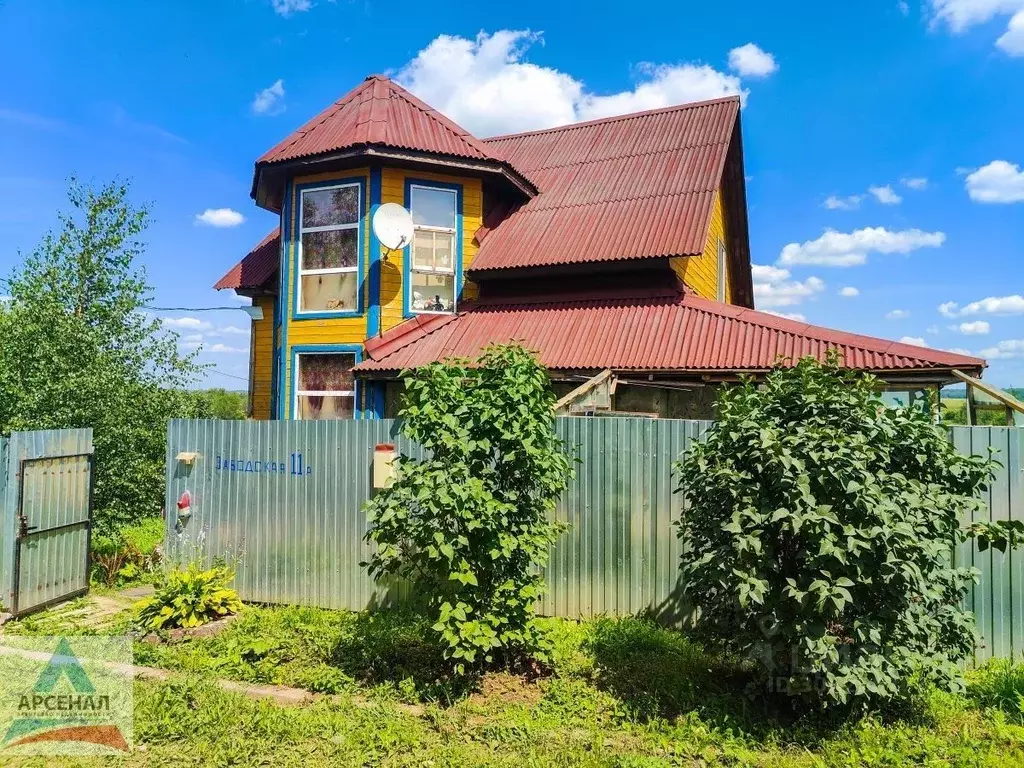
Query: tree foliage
[471, 524]
[78, 350]
[219, 403]
[818, 537]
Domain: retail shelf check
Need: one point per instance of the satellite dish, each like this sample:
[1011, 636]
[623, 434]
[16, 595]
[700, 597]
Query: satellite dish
[392, 225]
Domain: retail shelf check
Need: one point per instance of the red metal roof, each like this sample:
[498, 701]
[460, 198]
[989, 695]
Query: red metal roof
[652, 331]
[632, 186]
[383, 113]
[256, 267]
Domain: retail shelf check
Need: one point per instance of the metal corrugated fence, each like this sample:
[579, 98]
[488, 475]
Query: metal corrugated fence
[288, 495]
[998, 599]
[45, 476]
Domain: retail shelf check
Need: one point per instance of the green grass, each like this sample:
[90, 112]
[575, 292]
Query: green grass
[623, 693]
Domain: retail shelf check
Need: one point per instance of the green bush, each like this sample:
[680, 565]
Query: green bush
[471, 524]
[818, 533]
[131, 554]
[189, 597]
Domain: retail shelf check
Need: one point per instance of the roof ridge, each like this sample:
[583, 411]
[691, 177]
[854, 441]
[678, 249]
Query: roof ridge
[614, 118]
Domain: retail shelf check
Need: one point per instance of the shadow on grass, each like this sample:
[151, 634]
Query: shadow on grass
[662, 673]
[398, 648]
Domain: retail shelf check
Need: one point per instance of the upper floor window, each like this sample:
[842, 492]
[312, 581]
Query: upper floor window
[329, 249]
[434, 249]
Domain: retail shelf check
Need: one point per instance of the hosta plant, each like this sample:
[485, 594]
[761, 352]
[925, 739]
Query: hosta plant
[470, 525]
[817, 537]
[189, 596]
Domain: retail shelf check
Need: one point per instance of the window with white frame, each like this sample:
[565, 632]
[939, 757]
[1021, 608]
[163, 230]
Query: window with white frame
[329, 249]
[325, 387]
[722, 276]
[434, 249]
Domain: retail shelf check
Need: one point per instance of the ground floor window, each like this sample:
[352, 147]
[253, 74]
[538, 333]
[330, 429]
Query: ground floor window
[325, 386]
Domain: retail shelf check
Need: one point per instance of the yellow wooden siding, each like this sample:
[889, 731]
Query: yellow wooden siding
[261, 374]
[393, 191]
[700, 273]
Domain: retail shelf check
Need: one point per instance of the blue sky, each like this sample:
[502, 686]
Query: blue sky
[920, 102]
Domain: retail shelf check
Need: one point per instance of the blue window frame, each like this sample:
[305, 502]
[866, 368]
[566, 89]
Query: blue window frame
[432, 269]
[322, 393]
[329, 249]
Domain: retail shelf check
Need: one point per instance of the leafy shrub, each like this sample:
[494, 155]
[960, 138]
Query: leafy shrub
[130, 554]
[189, 597]
[818, 534]
[471, 524]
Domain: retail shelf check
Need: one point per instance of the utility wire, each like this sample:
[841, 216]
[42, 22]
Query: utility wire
[229, 375]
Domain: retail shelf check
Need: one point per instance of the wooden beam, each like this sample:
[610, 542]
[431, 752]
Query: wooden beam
[1008, 401]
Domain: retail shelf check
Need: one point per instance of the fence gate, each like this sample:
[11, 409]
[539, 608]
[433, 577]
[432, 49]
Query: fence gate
[48, 520]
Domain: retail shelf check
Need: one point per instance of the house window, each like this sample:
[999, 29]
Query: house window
[325, 387]
[329, 249]
[434, 249]
[722, 277]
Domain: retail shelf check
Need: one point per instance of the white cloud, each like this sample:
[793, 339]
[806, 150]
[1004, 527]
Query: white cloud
[903, 7]
[932, 329]
[225, 349]
[961, 351]
[849, 292]
[914, 182]
[765, 273]
[998, 182]
[231, 330]
[1004, 350]
[487, 85]
[974, 328]
[849, 203]
[960, 15]
[270, 101]
[773, 287]
[991, 305]
[193, 324]
[842, 249]
[750, 61]
[220, 217]
[897, 314]
[885, 195]
[917, 341]
[788, 315]
[1012, 41]
[288, 7]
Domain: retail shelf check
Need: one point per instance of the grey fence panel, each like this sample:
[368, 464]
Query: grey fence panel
[53, 492]
[286, 498]
[997, 601]
[300, 524]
